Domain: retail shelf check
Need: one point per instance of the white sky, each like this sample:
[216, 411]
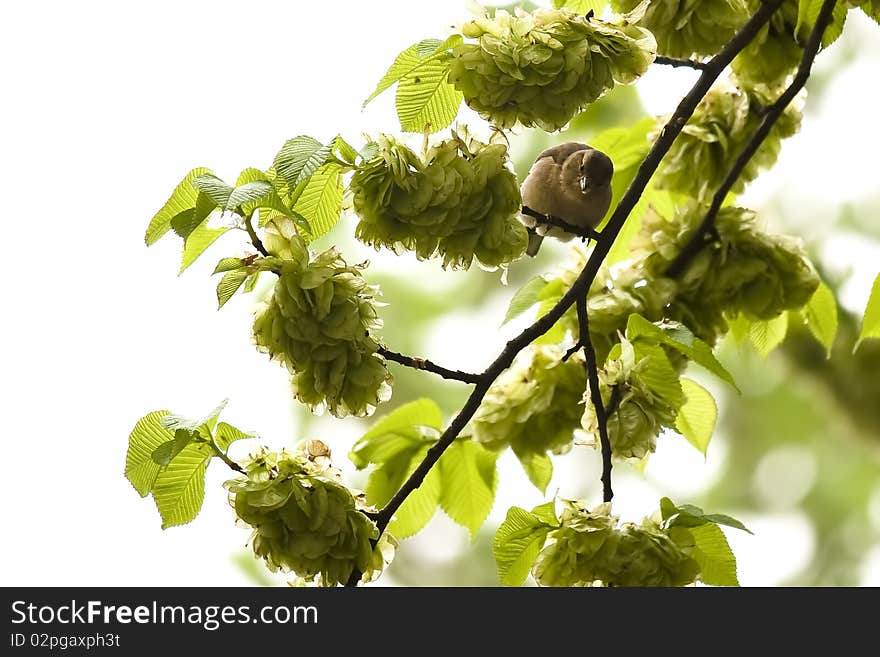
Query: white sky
[105, 106]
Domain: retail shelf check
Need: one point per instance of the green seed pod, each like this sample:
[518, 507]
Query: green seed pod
[460, 203]
[716, 134]
[534, 406]
[743, 271]
[317, 323]
[541, 68]
[305, 520]
[592, 549]
[773, 54]
[640, 415]
[685, 29]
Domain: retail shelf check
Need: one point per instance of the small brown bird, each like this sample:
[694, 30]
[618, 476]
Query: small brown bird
[572, 182]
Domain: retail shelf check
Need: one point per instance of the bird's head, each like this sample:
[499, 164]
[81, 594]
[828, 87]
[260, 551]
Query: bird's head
[594, 169]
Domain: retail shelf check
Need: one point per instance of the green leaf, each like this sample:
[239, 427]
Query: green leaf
[517, 543]
[272, 201]
[402, 422]
[419, 507]
[251, 282]
[525, 298]
[173, 421]
[713, 553]
[229, 284]
[228, 264]
[870, 11]
[197, 243]
[179, 489]
[547, 513]
[739, 328]
[627, 146]
[539, 469]
[808, 12]
[409, 61]
[582, 6]
[165, 452]
[321, 201]
[696, 418]
[214, 188]
[346, 152]
[470, 478]
[188, 220]
[680, 338]
[549, 297]
[871, 321]
[821, 316]
[249, 193]
[425, 101]
[387, 478]
[765, 336]
[300, 158]
[148, 434]
[226, 434]
[657, 372]
[182, 198]
[688, 515]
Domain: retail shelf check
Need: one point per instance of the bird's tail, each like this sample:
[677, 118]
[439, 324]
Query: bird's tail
[534, 243]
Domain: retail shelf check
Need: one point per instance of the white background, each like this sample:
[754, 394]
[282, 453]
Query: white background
[105, 106]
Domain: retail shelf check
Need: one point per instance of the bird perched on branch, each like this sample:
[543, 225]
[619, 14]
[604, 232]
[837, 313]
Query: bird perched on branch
[572, 182]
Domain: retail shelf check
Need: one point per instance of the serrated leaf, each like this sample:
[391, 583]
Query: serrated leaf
[299, 158]
[517, 543]
[821, 316]
[179, 489]
[187, 221]
[386, 479]
[182, 198]
[407, 62]
[688, 515]
[525, 298]
[229, 285]
[344, 150]
[213, 187]
[250, 192]
[696, 418]
[470, 477]
[765, 336]
[657, 372]
[251, 281]
[871, 320]
[174, 421]
[321, 200]
[419, 507]
[808, 12]
[538, 468]
[680, 338]
[549, 297]
[403, 422]
[546, 513]
[165, 452]
[226, 434]
[197, 243]
[271, 202]
[426, 101]
[228, 264]
[713, 553]
[148, 434]
[627, 145]
[739, 328]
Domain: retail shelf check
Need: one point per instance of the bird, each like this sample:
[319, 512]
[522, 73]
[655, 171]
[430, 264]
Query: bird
[570, 181]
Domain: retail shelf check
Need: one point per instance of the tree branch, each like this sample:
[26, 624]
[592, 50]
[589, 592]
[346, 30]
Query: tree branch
[255, 239]
[588, 274]
[681, 63]
[771, 114]
[428, 366]
[595, 394]
[583, 233]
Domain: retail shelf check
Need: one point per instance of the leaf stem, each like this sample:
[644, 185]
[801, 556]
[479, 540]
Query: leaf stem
[428, 366]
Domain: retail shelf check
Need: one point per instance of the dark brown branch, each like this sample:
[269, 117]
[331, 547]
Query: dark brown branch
[428, 366]
[681, 63]
[255, 239]
[595, 394]
[771, 114]
[588, 274]
[583, 233]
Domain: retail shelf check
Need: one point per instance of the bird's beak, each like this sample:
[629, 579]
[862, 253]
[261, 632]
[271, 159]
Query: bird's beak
[585, 183]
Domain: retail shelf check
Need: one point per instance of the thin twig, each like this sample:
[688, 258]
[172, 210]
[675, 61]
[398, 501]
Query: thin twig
[681, 63]
[223, 457]
[255, 239]
[583, 233]
[428, 366]
[595, 394]
[588, 274]
[771, 115]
